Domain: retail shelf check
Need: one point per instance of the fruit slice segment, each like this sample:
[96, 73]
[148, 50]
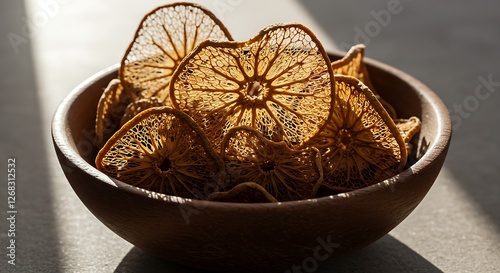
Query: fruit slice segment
[360, 144]
[138, 106]
[162, 150]
[110, 110]
[285, 173]
[352, 65]
[247, 192]
[279, 82]
[408, 128]
[164, 37]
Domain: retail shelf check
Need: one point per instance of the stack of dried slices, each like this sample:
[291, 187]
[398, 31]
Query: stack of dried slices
[197, 115]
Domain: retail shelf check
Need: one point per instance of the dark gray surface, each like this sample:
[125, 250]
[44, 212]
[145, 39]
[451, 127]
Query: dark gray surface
[23, 137]
[448, 45]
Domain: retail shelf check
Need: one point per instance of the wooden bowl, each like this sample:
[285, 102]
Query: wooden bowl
[236, 237]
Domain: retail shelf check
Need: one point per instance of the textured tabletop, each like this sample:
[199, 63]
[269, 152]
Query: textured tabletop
[47, 47]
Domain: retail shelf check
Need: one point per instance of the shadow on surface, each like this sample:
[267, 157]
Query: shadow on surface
[137, 260]
[386, 255]
[23, 136]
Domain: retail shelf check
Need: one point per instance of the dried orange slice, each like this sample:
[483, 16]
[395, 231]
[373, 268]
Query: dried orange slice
[162, 150]
[138, 106]
[279, 82]
[408, 128]
[352, 65]
[360, 144]
[164, 37]
[285, 173]
[247, 192]
[110, 110]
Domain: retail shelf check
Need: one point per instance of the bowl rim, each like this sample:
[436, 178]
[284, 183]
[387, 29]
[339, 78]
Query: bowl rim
[436, 148]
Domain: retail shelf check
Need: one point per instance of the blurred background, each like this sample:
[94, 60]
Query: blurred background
[47, 47]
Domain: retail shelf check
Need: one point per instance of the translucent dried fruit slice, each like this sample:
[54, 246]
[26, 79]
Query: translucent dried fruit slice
[138, 106]
[162, 150]
[279, 82]
[360, 144]
[110, 110]
[408, 128]
[352, 65]
[285, 173]
[164, 37]
[247, 192]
